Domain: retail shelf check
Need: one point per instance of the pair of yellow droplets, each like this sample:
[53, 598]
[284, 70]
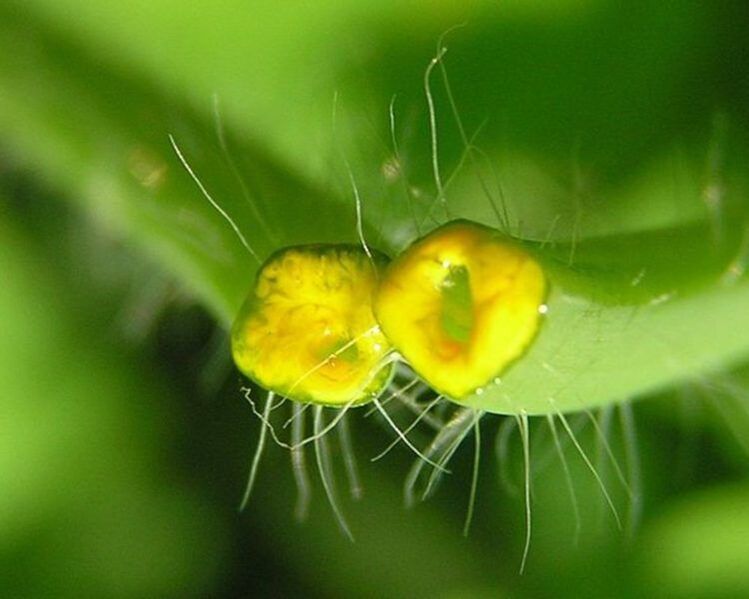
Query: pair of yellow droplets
[324, 324]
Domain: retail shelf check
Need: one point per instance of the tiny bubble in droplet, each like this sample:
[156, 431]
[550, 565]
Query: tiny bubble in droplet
[479, 391]
[543, 309]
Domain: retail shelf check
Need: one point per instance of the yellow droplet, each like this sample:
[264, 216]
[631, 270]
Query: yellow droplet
[307, 330]
[460, 305]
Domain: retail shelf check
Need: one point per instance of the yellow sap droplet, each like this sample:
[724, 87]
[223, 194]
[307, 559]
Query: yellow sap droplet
[460, 305]
[307, 331]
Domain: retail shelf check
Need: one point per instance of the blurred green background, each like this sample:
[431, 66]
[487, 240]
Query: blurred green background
[124, 438]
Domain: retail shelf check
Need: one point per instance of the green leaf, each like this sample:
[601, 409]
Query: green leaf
[628, 314]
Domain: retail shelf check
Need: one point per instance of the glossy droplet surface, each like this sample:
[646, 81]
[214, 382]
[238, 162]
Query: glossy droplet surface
[460, 305]
[307, 330]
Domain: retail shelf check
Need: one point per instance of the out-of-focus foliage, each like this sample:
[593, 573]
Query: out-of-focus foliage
[616, 136]
[82, 431]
